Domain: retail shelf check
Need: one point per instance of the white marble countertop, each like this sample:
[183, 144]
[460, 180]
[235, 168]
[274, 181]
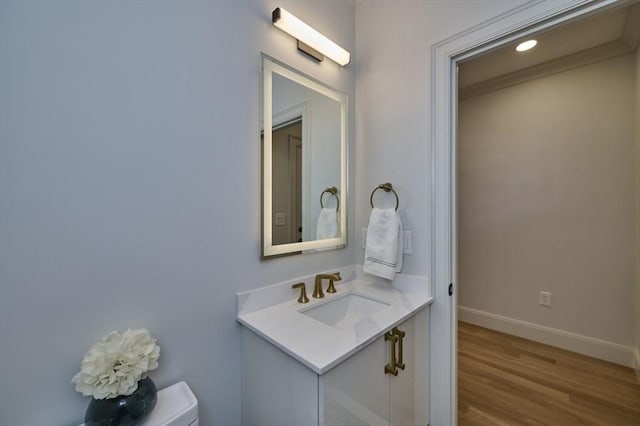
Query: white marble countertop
[315, 344]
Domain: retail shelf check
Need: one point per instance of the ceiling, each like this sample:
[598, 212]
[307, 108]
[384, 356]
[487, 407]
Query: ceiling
[619, 28]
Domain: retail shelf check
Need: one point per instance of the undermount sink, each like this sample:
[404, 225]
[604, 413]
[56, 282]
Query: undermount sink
[346, 309]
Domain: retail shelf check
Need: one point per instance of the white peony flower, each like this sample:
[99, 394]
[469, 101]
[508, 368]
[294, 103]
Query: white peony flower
[114, 366]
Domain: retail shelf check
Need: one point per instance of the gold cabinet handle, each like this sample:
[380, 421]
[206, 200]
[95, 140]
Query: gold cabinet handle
[397, 332]
[303, 292]
[391, 368]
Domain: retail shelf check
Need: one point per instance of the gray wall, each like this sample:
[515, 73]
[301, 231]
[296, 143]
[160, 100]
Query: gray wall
[130, 188]
[547, 200]
[393, 104]
[118, 123]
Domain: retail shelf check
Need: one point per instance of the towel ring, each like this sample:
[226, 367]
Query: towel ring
[333, 191]
[386, 187]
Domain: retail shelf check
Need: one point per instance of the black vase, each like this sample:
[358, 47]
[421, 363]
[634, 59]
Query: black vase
[126, 410]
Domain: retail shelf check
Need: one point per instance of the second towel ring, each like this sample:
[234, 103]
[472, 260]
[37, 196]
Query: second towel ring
[333, 191]
[386, 187]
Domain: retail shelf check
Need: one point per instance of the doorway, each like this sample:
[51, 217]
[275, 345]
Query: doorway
[287, 182]
[546, 174]
[515, 25]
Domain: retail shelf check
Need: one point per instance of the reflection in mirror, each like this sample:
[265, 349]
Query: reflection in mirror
[304, 155]
[286, 187]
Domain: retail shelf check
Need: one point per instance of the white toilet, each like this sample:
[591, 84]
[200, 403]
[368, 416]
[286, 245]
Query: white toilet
[176, 406]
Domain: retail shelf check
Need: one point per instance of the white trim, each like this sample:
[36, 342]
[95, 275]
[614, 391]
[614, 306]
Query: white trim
[528, 18]
[583, 58]
[289, 114]
[631, 31]
[585, 345]
[636, 363]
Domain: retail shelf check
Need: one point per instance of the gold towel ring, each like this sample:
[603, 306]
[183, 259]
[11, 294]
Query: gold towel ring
[333, 191]
[386, 187]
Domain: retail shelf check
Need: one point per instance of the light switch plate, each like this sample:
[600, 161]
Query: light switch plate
[408, 242]
[364, 238]
[281, 219]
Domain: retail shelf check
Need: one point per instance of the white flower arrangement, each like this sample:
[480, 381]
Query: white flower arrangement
[113, 366]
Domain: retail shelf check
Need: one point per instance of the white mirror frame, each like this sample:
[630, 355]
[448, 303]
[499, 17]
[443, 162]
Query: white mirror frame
[269, 67]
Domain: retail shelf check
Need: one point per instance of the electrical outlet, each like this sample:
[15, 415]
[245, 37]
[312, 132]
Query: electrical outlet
[544, 298]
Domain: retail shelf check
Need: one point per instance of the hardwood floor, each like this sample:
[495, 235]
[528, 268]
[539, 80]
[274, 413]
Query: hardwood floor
[506, 380]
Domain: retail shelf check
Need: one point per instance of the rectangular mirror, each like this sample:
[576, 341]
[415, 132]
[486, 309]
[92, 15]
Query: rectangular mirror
[304, 163]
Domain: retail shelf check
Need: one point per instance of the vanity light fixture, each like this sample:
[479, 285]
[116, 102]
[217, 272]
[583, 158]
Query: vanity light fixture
[310, 41]
[526, 45]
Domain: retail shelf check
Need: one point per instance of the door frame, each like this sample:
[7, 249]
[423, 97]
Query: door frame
[529, 18]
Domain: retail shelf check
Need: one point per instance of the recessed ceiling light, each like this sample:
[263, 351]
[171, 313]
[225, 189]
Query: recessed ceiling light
[526, 45]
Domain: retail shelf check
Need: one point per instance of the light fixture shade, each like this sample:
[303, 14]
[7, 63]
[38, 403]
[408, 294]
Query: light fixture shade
[309, 36]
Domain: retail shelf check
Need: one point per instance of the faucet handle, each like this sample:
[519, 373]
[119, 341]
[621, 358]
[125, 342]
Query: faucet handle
[336, 277]
[303, 292]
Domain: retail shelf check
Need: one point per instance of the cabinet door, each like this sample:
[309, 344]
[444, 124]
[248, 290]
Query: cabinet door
[276, 389]
[409, 389]
[356, 392]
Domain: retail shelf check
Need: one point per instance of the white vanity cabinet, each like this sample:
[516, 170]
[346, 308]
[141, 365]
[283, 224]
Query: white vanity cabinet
[279, 390]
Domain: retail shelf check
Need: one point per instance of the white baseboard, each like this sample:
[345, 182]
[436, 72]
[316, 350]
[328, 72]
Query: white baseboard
[597, 348]
[636, 363]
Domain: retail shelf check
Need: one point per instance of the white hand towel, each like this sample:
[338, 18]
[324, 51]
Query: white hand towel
[383, 249]
[327, 224]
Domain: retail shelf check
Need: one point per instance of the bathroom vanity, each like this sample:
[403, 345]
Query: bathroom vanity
[355, 357]
[358, 356]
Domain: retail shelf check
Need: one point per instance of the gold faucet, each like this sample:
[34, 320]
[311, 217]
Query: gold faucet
[317, 289]
[303, 293]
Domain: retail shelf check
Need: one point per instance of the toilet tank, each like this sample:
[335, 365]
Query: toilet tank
[176, 406]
